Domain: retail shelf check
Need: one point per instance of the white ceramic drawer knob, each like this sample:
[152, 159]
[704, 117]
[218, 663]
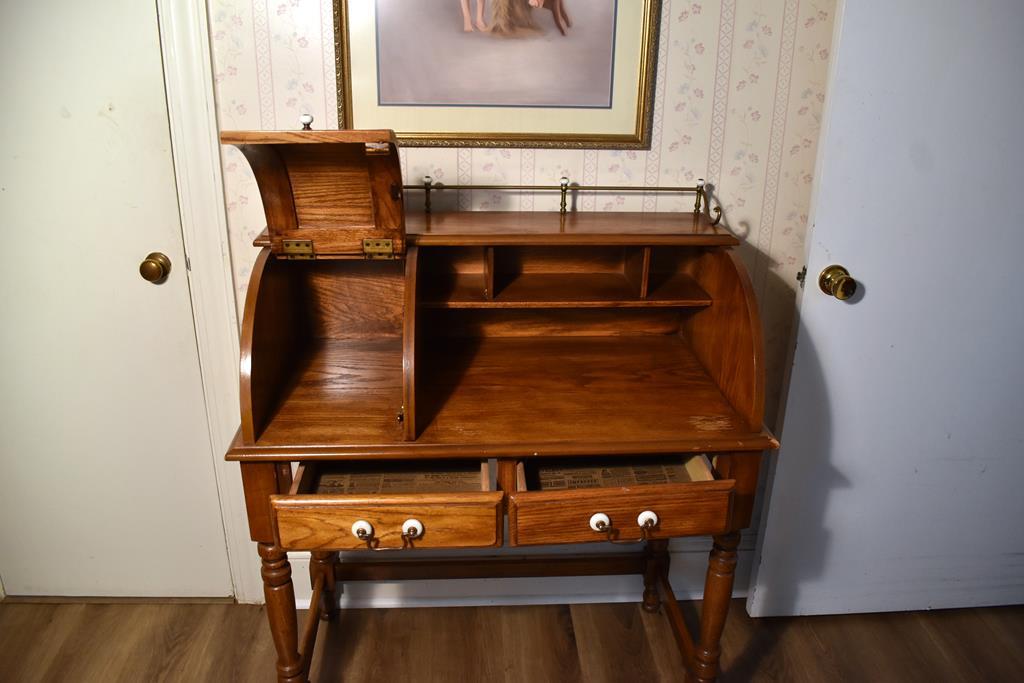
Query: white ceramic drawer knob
[647, 519]
[362, 529]
[307, 121]
[412, 528]
[600, 521]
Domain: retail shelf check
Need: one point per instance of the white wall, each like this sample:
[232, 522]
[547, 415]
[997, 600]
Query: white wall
[689, 562]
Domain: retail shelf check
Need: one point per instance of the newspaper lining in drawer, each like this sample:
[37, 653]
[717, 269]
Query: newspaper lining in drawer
[615, 473]
[403, 478]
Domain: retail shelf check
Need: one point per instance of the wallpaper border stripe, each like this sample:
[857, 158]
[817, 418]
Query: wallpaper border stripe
[778, 135]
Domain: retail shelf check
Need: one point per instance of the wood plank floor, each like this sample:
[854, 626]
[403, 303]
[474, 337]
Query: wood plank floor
[223, 642]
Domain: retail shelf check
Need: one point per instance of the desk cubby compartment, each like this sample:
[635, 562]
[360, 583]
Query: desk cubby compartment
[602, 499]
[383, 505]
[531, 276]
[322, 352]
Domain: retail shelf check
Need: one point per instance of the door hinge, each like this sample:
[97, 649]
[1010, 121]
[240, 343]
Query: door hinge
[378, 249]
[801, 276]
[297, 249]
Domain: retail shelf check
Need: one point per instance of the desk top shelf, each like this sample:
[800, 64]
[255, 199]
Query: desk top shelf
[574, 228]
[492, 228]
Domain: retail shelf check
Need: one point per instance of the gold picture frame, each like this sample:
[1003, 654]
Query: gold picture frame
[640, 112]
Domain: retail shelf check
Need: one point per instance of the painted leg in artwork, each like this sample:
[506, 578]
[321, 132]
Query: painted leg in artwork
[467, 17]
[322, 563]
[557, 12]
[565, 15]
[481, 23]
[280, 595]
[715, 608]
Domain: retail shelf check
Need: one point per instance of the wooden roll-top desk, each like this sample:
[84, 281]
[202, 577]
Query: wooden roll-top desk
[591, 377]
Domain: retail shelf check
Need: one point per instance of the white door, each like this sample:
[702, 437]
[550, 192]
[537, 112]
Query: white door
[898, 485]
[106, 475]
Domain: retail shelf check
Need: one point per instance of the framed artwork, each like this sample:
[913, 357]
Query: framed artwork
[499, 73]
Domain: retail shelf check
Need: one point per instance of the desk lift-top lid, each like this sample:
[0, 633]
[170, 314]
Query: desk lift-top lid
[328, 194]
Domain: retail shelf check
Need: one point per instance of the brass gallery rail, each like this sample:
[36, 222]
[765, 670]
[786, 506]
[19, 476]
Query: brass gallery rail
[565, 187]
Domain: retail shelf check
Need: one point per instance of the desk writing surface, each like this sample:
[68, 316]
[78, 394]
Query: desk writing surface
[508, 391]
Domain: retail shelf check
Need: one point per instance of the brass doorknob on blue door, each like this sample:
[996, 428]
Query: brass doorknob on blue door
[836, 281]
[155, 267]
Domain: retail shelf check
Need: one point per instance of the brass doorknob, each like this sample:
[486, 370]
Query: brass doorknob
[155, 267]
[836, 281]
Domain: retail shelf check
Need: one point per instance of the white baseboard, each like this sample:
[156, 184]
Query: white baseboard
[688, 567]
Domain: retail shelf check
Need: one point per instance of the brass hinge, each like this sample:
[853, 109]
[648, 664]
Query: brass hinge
[801, 276]
[297, 249]
[378, 249]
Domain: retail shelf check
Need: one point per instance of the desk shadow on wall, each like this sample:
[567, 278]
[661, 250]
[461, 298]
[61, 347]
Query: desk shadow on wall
[794, 539]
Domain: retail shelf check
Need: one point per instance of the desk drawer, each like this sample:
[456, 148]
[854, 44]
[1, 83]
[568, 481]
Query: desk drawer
[446, 504]
[603, 499]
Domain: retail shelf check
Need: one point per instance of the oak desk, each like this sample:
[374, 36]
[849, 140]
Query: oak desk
[591, 377]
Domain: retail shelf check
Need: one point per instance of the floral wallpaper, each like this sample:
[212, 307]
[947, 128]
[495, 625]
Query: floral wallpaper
[740, 89]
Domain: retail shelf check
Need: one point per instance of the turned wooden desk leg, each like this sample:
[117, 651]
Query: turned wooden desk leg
[323, 563]
[715, 608]
[656, 565]
[280, 595]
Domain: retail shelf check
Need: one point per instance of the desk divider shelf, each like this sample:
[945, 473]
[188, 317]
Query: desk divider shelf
[557, 277]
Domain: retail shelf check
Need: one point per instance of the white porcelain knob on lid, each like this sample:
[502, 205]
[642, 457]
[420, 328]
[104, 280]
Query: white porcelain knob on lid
[647, 518]
[307, 121]
[600, 521]
[412, 528]
[362, 529]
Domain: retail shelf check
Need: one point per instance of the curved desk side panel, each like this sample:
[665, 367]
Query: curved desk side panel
[272, 333]
[727, 339]
[726, 336]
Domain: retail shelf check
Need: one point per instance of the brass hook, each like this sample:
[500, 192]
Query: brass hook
[605, 528]
[367, 537]
[609, 531]
[702, 193]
